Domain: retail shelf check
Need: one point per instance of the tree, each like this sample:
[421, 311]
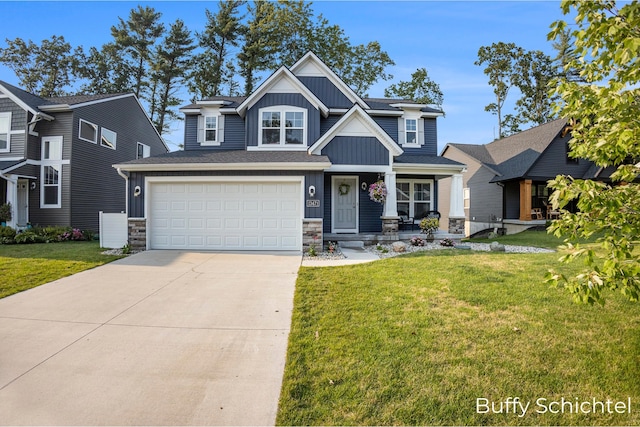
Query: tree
[535, 73]
[134, 39]
[500, 59]
[603, 114]
[260, 43]
[420, 89]
[46, 69]
[563, 44]
[170, 64]
[222, 32]
[103, 71]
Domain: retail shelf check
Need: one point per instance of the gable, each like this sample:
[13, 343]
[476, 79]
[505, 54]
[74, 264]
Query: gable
[356, 150]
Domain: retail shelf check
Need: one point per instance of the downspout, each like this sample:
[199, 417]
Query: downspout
[126, 199]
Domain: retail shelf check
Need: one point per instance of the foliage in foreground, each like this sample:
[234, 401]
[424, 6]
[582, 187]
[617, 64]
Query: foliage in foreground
[415, 340]
[49, 234]
[603, 113]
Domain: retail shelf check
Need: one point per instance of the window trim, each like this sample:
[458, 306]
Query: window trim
[115, 138]
[283, 110]
[8, 116]
[412, 200]
[55, 163]
[145, 149]
[95, 127]
[216, 141]
[406, 132]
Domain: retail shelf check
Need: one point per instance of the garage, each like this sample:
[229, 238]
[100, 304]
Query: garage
[229, 215]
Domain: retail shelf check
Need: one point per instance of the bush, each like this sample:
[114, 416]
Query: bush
[29, 236]
[417, 241]
[7, 236]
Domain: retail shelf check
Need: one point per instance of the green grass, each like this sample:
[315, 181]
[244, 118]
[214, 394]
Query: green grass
[540, 239]
[24, 267]
[416, 339]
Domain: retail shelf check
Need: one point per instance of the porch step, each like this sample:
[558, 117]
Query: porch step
[359, 244]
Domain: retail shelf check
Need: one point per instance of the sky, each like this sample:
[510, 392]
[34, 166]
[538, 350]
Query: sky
[441, 36]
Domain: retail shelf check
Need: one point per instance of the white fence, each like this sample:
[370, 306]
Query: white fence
[113, 230]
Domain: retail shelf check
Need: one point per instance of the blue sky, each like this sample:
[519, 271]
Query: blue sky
[441, 36]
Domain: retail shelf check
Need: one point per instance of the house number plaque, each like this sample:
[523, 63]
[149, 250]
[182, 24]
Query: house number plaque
[313, 203]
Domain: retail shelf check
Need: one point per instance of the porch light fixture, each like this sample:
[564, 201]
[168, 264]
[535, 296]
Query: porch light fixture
[364, 186]
[33, 185]
[312, 191]
[137, 191]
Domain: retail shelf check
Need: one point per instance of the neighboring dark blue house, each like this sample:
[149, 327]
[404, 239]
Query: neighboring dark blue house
[56, 155]
[288, 167]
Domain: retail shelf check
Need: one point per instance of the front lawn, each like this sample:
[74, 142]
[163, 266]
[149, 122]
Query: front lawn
[417, 339]
[24, 267]
[540, 239]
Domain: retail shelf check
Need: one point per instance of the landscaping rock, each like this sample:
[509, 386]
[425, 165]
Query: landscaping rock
[496, 247]
[399, 247]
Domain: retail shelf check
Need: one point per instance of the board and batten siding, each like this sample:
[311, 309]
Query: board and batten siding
[278, 99]
[136, 203]
[326, 91]
[356, 150]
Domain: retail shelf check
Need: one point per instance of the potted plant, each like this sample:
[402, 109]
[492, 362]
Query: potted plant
[378, 191]
[5, 213]
[428, 226]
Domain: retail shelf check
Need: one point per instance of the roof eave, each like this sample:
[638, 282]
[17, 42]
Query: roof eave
[174, 167]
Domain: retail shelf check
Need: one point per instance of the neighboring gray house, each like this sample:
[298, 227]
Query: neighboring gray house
[288, 167]
[505, 184]
[56, 155]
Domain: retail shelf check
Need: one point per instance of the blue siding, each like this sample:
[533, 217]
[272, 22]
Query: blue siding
[430, 146]
[326, 124]
[351, 150]
[191, 133]
[553, 162]
[273, 99]
[329, 94]
[389, 125]
[234, 134]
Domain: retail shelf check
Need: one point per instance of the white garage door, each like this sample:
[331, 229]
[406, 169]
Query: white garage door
[225, 215]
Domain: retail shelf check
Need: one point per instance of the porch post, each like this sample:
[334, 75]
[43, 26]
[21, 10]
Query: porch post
[391, 202]
[12, 197]
[525, 200]
[456, 205]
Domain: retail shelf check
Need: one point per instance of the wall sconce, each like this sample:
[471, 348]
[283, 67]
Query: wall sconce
[363, 186]
[312, 191]
[137, 191]
[33, 185]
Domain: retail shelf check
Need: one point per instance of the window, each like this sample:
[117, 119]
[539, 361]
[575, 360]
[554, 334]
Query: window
[467, 197]
[414, 197]
[411, 131]
[143, 151]
[210, 129]
[5, 131]
[108, 138]
[276, 132]
[51, 172]
[88, 131]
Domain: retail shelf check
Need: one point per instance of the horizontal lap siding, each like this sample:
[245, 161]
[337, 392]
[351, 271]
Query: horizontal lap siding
[389, 125]
[234, 134]
[18, 123]
[430, 146]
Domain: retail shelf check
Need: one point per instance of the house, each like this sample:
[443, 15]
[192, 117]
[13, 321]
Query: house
[288, 167]
[56, 155]
[505, 185]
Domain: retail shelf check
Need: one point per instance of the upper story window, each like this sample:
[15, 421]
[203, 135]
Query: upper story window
[282, 126]
[108, 138]
[5, 132]
[88, 131]
[143, 151]
[210, 129]
[51, 172]
[411, 131]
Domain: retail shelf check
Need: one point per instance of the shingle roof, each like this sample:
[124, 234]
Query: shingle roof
[425, 159]
[513, 156]
[80, 99]
[232, 156]
[31, 100]
[9, 163]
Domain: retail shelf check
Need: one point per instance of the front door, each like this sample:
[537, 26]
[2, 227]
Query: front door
[345, 204]
[22, 210]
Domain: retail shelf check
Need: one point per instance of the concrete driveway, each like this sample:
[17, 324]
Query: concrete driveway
[158, 338]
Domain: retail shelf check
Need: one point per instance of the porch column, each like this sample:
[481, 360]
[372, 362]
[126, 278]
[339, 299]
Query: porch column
[391, 202]
[12, 197]
[525, 200]
[456, 206]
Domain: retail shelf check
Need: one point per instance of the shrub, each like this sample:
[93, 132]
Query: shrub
[89, 235]
[29, 236]
[429, 225]
[447, 242]
[417, 241]
[7, 236]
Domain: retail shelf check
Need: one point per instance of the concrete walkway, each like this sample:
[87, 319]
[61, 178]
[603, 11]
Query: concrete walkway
[158, 338]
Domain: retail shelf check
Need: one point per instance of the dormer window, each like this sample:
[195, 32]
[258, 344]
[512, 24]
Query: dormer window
[411, 131]
[282, 126]
[210, 129]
